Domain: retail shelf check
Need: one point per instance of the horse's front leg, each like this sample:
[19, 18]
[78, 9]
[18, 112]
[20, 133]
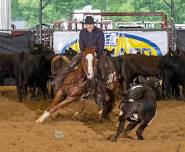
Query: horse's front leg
[51, 108]
[64, 103]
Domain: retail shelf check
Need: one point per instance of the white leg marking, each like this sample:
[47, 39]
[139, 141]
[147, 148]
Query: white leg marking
[43, 117]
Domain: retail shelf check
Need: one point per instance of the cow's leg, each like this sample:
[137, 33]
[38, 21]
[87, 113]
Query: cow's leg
[25, 88]
[163, 91]
[19, 89]
[19, 93]
[183, 92]
[32, 91]
[168, 86]
[129, 127]
[140, 129]
[44, 89]
[177, 92]
[120, 128]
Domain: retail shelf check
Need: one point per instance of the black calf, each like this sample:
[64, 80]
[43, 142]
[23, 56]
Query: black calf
[138, 107]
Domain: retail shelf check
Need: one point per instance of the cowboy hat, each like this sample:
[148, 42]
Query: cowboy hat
[89, 20]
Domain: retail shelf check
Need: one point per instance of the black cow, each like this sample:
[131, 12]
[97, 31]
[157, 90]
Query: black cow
[40, 49]
[158, 89]
[173, 73]
[32, 71]
[138, 107]
[130, 66]
[6, 66]
[134, 65]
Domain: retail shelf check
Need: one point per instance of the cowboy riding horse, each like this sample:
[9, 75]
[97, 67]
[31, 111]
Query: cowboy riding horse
[75, 84]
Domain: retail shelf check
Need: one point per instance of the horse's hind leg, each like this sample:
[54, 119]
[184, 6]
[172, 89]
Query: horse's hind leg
[80, 114]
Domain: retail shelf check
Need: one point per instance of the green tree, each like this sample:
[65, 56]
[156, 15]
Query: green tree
[60, 9]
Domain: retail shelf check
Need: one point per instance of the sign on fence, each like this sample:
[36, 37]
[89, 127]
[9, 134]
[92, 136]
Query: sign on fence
[148, 43]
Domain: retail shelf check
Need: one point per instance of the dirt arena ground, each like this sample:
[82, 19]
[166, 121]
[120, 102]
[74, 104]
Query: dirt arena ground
[20, 133]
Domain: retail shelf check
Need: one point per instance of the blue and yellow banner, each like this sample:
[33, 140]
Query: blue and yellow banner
[148, 43]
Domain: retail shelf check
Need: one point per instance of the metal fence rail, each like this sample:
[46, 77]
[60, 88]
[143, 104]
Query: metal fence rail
[47, 34]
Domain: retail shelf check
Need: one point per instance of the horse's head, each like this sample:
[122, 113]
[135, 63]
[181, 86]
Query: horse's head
[89, 62]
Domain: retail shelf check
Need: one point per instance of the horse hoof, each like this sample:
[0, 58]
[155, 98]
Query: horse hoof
[38, 120]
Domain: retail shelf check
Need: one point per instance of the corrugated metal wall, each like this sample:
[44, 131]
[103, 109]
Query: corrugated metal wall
[5, 14]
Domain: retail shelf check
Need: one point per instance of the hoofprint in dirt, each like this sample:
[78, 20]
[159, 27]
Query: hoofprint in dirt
[20, 133]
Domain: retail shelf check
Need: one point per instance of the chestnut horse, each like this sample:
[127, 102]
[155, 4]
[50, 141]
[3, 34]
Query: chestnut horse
[75, 84]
